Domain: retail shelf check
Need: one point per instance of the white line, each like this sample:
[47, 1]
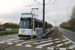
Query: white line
[59, 45]
[42, 42]
[50, 48]
[64, 40]
[8, 40]
[40, 46]
[40, 39]
[62, 48]
[71, 47]
[62, 44]
[69, 39]
[28, 45]
[49, 38]
[18, 40]
[18, 44]
[10, 43]
[57, 41]
[2, 42]
[67, 42]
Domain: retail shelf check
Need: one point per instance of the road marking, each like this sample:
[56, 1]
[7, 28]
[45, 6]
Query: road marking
[50, 48]
[40, 46]
[10, 43]
[62, 48]
[49, 38]
[18, 40]
[57, 41]
[69, 39]
[72, 46]
[42, 42]
[28, 45]
[67, 42]
[59, 45]
[2, 42]
[64, 40]
[40, 39]
[18, 44]
[8, 40]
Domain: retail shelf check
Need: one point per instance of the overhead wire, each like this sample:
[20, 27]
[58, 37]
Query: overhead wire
[26, 2]
[38, 2]
[47, 2]
[54, 8]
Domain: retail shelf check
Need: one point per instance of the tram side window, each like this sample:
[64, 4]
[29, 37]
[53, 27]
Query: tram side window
[36, 24]
[40, 25]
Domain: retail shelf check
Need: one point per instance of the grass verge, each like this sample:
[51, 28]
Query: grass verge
[6, 33]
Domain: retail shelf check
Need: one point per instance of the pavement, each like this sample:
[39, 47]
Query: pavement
[69, 34]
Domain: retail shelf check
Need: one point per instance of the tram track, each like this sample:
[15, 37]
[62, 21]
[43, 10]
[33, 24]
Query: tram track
[61, 38]
[53, 38]
[57, 35]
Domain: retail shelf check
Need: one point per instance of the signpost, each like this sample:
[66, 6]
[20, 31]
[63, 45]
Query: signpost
[31, 30]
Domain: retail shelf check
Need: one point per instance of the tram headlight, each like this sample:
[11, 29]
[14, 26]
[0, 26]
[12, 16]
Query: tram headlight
[19, 33]
[25, 33]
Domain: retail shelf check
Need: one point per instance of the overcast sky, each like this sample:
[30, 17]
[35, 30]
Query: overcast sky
[10, 10]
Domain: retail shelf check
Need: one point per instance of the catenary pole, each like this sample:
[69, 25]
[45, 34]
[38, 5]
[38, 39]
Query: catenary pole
[43, 14]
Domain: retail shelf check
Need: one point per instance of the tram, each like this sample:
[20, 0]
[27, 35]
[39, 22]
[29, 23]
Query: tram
[29, 22]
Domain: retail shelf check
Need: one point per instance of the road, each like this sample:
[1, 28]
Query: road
[69, 34]
[55, 41]
[7, 37]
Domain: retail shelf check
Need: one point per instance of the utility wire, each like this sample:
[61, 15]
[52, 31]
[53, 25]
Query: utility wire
[38, 2]
[47, 2]
[32, 5]
[26, 2]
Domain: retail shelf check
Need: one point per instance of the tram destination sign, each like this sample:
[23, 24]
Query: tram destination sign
[25, 18]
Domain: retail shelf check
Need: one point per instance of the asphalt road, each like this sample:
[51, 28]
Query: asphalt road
[69, 34]
[6, 37]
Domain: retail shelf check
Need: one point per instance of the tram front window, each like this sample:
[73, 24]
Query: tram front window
[25, 24]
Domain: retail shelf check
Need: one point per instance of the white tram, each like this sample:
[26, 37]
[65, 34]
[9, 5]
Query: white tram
[26, 23]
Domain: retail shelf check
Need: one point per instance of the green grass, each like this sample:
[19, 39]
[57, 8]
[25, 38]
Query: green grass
[71, 29]
[14, 29]
[8, 33]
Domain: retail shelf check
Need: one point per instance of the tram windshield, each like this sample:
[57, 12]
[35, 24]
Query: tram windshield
[25, 24]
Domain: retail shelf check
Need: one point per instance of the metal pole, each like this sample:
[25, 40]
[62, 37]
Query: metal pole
[55, 23]
[67, 14]
[43, 14]
[31, 30]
